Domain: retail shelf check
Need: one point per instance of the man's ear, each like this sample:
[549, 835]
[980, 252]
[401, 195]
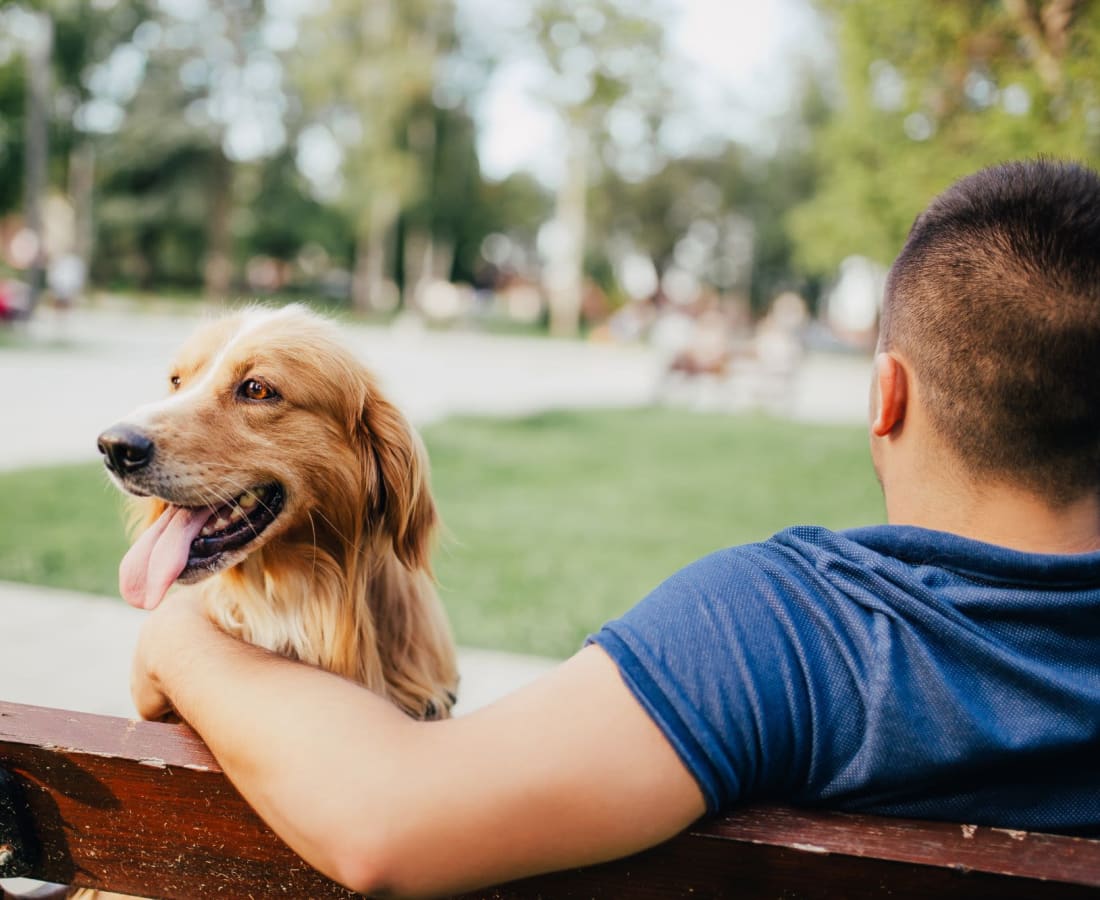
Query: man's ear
[889, 394]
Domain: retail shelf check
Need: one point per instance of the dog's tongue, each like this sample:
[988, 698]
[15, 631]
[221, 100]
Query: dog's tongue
[151, 566]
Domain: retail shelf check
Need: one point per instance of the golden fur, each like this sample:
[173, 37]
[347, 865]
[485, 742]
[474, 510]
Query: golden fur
[342, 578]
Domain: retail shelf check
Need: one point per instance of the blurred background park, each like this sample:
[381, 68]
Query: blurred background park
[670, 219]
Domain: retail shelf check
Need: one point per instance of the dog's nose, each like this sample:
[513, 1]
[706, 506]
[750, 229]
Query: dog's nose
[125, 449]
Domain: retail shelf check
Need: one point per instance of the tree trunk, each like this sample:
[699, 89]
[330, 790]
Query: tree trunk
[443, 258]
[360, 276]
[218, 269]
[37, 148]
[81, 185]
[418, 264]
[564, 269]
[369, 283]
[1045, 34]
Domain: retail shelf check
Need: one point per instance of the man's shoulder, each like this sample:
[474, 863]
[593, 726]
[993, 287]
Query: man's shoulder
[797, 562]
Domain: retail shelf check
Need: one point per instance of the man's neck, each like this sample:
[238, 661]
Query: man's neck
[999, 514]
[927, 484]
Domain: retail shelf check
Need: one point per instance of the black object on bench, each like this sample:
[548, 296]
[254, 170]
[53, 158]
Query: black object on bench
[142, 808]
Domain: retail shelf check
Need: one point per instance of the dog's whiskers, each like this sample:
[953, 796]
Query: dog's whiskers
[219, 500]
[336, 531]
[313, 530]
[241, 491]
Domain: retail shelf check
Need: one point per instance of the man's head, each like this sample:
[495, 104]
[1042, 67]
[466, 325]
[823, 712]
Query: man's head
[994, 302]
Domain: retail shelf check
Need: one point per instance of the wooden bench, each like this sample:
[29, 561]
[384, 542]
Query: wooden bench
[141, 807]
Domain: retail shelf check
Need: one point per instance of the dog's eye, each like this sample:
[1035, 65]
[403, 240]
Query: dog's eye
[254, 389]
[174, 381]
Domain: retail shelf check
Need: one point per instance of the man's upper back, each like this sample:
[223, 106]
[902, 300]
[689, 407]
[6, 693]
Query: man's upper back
[889, 669]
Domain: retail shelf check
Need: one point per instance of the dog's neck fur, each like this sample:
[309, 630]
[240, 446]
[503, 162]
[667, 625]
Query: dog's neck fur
[347, 612]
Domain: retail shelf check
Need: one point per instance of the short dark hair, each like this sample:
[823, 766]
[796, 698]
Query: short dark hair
[995, 301]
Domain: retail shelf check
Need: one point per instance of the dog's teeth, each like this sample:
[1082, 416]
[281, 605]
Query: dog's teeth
[221, 523]
[248, 500]
[206, 531]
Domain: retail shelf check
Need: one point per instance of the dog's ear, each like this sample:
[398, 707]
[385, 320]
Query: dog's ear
[398, 470]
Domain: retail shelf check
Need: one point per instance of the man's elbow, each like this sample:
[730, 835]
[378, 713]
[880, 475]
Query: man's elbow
[390, 866]
[381, 864]
[363, 867]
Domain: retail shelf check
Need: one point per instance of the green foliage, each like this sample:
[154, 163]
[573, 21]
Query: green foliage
[153, 207]
[281, 214]
[601, 54]
[732, 185]
[516, 206]
[555, 523]
[933, 92]
[367, 72]
[927, 92]
[394, 84]
[12, 92]
[82, 35]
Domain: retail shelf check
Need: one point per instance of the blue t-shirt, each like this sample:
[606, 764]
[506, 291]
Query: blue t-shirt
[890, 669]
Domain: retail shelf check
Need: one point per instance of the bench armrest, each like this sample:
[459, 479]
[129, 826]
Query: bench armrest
[143, 808]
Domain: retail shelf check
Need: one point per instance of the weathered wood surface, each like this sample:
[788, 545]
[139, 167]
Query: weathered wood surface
[142, 807]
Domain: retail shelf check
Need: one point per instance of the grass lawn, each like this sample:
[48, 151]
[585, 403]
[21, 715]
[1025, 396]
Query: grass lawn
[556, 522]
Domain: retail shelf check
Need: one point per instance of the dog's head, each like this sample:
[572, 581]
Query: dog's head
[271, 431]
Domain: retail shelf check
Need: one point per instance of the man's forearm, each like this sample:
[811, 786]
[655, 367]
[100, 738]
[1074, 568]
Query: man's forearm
[279, 729]
[568, 771]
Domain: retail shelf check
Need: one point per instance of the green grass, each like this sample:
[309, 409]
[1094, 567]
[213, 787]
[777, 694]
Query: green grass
[62, 526]
[556, 522]
[562, 521]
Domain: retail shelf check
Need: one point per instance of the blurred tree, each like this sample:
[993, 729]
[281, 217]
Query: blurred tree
[605, 79]
[60, 43]
[442, 145]
[515, 208]
[38, 53]
[13, 90]
[154, 202]
[283, 217]
[721, 216]
[366, 73]
[210, 99]
[932, 92]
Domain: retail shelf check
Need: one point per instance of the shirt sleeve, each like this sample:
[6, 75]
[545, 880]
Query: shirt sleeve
[716, 656]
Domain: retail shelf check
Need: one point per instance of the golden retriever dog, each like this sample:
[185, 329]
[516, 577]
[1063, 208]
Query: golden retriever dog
[278, 481]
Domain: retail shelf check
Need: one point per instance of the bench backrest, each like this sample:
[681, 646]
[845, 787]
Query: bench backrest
[143, 808]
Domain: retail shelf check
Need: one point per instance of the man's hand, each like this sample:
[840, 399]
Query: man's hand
[170, 635]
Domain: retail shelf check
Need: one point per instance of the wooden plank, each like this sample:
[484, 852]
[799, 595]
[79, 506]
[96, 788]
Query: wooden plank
[947, 845]
[142, 807]
[691, 866]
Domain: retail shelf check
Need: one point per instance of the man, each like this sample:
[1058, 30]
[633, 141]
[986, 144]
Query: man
[946, 665]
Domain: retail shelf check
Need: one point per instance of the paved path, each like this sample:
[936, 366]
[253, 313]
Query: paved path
[71, 378]
[75, 377]
[71, 382]
[72, 650]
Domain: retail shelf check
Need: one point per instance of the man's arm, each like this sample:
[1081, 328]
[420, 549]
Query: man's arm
[568, 771]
